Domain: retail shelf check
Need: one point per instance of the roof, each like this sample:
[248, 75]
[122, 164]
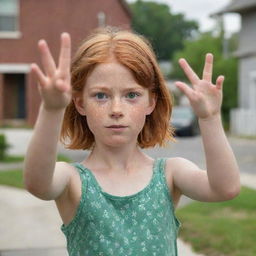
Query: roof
[239, 6]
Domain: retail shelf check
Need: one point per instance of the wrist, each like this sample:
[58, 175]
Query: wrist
[47, 109]
[213, 118]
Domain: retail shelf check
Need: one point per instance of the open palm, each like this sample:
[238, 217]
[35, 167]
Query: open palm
[54, 82]
[204, 96]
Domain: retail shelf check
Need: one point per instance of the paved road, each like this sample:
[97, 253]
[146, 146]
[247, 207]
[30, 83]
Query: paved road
[190, 148]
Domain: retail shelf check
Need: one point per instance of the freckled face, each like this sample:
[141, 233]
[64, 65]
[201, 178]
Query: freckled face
[115, 105]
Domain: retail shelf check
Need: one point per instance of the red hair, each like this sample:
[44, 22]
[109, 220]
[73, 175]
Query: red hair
[134, 52]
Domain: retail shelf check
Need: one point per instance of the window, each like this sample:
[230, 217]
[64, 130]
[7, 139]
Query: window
[8, 16]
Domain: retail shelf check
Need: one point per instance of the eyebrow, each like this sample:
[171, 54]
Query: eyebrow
[103, 88]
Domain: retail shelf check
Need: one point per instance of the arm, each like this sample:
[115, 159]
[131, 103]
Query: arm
[221, 181]
[42, 176]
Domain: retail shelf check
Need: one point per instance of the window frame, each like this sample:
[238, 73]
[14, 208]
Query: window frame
[13, 34]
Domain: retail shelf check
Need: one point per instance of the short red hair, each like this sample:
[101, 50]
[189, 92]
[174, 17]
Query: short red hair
[134, 52]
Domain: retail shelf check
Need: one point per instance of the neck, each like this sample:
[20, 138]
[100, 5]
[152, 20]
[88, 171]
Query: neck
[124, 158]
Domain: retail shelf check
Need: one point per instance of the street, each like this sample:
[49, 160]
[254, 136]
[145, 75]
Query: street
[191, 148]
[187, 147]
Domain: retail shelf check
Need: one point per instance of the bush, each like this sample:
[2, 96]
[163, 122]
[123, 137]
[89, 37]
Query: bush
[3, 146]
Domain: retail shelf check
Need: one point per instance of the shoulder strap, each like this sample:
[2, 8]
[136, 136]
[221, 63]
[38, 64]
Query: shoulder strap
[83, 177]
[160, 166]
[162, 175]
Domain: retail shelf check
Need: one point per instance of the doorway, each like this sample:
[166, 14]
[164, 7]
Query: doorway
[14, 100]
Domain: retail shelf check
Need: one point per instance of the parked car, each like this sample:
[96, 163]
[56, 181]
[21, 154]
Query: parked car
[184, 121]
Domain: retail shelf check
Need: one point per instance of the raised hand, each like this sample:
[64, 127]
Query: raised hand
[54, 82]
[204, 96]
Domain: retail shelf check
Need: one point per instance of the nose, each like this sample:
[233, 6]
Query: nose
[116, 108]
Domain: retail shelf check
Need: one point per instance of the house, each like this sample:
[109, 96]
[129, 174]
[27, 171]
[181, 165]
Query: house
[23, 23]
[243, 119]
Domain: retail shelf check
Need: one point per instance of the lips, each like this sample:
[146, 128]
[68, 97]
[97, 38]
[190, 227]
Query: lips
[116, 126]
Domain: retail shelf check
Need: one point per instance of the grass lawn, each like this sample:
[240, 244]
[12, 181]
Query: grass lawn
[16, 159]
[221, 229]
[12, 159]
[14, 178]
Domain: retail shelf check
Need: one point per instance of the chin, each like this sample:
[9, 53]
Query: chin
[117, 142]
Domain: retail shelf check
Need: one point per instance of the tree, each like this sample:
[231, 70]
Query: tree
[165, 30]
[194, 52]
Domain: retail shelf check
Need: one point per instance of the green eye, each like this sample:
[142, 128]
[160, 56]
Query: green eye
[101, 95]
[132, 95]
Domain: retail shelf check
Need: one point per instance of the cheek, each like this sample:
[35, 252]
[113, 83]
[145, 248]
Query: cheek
[94, 115]
[138, 116]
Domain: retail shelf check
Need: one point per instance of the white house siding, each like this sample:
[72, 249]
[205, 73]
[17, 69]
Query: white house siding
[247, 67]
[247, 37]
[243, 119]
[243, 122]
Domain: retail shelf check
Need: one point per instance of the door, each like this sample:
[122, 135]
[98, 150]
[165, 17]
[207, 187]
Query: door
[14, 96]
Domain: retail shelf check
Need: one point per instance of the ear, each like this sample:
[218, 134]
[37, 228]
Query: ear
[152, 104]
[79, 104]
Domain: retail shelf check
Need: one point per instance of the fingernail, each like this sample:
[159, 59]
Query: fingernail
[41, 41]
[64, 34]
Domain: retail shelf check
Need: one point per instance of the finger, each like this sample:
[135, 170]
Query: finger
[188, 91]
[39, 74]
[207, 72]
[62, 86]
[191, 75]
[219, 82]
[47, 59]
[65, 53]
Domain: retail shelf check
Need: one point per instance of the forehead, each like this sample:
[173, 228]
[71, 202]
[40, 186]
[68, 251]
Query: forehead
[111, 73]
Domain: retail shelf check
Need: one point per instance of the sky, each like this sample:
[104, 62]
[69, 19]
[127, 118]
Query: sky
[200, 10]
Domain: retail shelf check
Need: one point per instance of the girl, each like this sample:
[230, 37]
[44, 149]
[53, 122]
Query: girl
[119, 201]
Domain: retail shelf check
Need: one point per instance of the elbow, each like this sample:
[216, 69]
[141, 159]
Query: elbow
[35, 189]
[30, 187]
[29, 183]
[231, 193]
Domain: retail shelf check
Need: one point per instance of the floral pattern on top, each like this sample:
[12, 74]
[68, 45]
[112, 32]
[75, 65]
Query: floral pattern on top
[140, 224]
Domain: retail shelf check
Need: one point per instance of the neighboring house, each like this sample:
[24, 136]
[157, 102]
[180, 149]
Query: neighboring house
[23, 23]
[243, 119]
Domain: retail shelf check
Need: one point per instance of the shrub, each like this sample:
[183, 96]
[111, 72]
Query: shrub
[3, 146]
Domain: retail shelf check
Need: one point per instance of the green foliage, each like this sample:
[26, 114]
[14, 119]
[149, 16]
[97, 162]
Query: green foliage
[226, 228]
[63, 158]
[3, 146]
[165, 30]
[194, 52]
[229, 68]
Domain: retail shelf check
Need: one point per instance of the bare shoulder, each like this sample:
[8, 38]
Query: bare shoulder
[65, 167]
[64, 170]
[180, 164]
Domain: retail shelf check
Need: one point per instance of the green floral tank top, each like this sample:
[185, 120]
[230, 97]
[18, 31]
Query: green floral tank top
[140, 224]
